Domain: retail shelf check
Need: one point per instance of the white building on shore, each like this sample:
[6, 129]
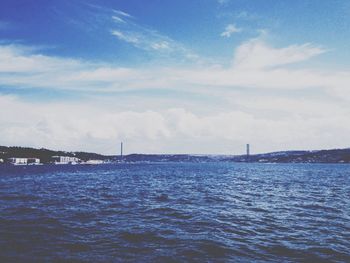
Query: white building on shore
[94, 162]
[65, 160]
[24, 161]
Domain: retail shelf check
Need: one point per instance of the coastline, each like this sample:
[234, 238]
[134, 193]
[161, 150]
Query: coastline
[45, 156]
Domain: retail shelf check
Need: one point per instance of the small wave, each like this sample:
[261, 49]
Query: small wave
[169, 212]
[162, 198]
[321, 208]
[215, 249]
[139, 237]
[23, 198]
[77, 247]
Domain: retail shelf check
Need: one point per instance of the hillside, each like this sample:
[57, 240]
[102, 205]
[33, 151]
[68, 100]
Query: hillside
[45, 155]
[321, 156]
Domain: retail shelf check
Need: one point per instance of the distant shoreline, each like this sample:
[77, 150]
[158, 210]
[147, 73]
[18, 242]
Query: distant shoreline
[47, 156]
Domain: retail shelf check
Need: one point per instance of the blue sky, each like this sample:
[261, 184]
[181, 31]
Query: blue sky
[81, 29]
[198, 76]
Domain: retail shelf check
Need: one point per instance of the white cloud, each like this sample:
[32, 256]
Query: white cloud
[257, 54]
[118, 19]
[22, 59]
[99, 127]
[161, 45]
[247, 16]
[256, 65]
[229, 30]
[122, 13]
[126, 28]
[128, 37]
[148, 39]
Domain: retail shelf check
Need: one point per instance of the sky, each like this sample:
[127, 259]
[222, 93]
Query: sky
[184, 76]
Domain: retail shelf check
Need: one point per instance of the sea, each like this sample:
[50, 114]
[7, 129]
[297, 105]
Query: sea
[175, 212]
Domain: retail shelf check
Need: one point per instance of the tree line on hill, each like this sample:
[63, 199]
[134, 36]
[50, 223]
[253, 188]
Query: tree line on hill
[45, 155]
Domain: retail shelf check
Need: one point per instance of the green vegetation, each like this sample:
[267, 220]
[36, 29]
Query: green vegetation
[45, 155]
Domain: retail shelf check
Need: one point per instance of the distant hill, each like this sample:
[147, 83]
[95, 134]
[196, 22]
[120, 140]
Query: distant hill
[45, 155]
[322, 156]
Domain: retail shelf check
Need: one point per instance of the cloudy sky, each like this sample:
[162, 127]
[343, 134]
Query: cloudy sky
[184, 76]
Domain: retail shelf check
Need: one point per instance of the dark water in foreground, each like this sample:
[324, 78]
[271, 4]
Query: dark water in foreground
[175, 213]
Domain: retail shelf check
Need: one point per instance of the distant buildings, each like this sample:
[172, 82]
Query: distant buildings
[94, 162]
[54, 160]
[24, 161]
[73, 160]
[65, 160]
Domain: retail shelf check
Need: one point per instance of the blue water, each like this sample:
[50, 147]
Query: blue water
[180, 212]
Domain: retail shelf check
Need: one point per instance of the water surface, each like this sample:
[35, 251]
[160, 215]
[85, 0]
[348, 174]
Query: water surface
[175, 212]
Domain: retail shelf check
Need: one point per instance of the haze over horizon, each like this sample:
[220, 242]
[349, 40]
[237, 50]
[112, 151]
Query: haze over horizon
[198, 77]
